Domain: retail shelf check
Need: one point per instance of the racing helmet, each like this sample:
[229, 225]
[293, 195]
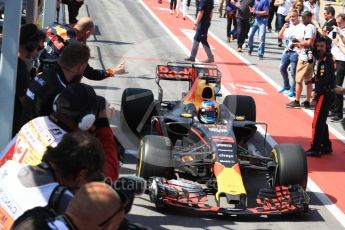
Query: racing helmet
[208, 112]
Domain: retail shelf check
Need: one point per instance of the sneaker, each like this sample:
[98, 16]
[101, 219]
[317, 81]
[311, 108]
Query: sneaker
[209, 60]
[313, 153]
[291, 94]
[190, 59]
[269, 30]
[239, 49]
[306, 104]
[326, 149]
[261, 57]
[294, 105]
[228, 39]
[283, 89]
[280, 44]
[250, 52]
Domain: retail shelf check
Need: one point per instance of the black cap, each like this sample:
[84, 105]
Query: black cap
[75, 101]
[307, 14]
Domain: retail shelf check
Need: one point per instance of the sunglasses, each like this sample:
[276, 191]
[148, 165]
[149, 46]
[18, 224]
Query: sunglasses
[125, 202]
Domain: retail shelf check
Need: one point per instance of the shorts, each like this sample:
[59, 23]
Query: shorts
[304, 71]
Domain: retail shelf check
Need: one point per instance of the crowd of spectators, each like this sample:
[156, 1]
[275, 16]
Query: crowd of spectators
[297, 24]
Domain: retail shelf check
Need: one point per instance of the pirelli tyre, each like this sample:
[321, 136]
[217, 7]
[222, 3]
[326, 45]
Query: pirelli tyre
[135, 103]
[155, 157]
[243, 107]
[291, 164]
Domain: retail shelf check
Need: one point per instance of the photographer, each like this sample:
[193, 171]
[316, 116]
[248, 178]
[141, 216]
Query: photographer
[338, 51]
[291, 32]
[324, 94]
[305, 64]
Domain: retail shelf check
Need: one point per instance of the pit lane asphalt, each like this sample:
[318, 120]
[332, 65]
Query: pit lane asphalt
[125, 29]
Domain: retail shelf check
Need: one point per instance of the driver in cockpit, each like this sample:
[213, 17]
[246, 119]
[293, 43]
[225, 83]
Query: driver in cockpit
[208, 112]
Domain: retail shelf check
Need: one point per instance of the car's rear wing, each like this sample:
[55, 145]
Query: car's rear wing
[180, 71]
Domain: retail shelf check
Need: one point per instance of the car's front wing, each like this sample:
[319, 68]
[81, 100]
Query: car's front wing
[270, 201]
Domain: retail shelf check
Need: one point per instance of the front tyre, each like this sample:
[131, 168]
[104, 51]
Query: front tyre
[291, 164]
[155, 157]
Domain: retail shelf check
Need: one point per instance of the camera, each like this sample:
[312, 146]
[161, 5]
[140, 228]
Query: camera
[309, 53]
[334, 34]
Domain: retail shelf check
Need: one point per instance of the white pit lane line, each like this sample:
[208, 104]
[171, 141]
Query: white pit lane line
[312, 186]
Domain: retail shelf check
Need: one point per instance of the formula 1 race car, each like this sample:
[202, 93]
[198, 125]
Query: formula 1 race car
[187, 159]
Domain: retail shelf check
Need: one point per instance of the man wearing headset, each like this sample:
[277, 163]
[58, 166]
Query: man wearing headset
[30, 43]
[75, 109]
[96, 205]
[44, 87]
[324, 95]
[60, 36]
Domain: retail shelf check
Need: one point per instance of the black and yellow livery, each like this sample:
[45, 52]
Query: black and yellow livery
[186, 160]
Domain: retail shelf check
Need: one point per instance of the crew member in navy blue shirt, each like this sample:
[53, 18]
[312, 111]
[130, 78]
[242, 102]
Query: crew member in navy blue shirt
[260, 10]
[202, 24]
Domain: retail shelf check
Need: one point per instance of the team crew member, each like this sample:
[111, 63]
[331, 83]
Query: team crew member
[76, 160]
[74, 110]
[44, 87]
[202, 24]
[324, 95]
[59, 36]
[30, 43]
[96, 205]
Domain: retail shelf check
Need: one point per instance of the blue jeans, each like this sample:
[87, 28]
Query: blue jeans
[289, 58]
[261, 26]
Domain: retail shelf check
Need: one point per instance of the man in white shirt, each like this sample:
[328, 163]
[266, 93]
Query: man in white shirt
[292, 31]
[305, 64]
[339, 56]
[282, 12]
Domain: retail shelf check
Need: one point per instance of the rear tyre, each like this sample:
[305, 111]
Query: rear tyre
[155, 157]
[292, 166]
[241, 105]
[134, 104]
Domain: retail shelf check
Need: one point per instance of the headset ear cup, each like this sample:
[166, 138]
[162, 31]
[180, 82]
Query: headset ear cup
[86, 122]
[55, 103]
